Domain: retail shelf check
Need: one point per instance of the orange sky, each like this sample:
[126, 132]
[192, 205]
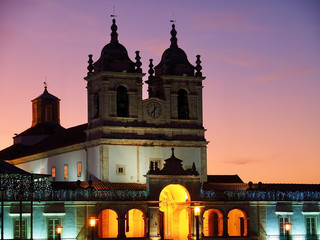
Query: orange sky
[260, 58]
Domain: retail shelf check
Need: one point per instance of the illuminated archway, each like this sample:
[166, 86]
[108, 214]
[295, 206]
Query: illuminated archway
[174, 204]
[135, 223]
[237, 223]
[212, 223]
[108, 224]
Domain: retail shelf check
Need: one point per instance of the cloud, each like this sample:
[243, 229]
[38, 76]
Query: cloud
[281, 74]
[240, 161]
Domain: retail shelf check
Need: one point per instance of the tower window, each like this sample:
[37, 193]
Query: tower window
[96, 105]
[122, 102]
[65, 171]
[48, 113]
[183, 105]
[34, 112]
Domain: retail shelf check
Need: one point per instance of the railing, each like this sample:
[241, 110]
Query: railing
[293, 237]
[260, 195]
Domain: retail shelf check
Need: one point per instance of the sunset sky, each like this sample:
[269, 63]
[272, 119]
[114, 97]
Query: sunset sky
[261, 60]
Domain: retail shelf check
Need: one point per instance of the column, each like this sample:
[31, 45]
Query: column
[225, 226]
[121, 227]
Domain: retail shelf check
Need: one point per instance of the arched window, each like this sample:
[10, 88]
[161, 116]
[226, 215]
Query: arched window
[96, 105]
[122, 102]
[237, 223]
[212, 223]
[108, 224]
[135, 223]
[183, 105]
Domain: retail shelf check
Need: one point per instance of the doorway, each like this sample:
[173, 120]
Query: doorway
[174, 207]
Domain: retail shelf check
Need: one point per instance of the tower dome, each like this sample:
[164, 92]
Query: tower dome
[114, 56]
[174, 60]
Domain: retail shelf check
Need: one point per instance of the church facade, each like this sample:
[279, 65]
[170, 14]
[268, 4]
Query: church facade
[138, 167]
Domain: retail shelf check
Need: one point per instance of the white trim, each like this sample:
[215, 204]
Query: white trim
[311, 213]
[54, 214]
[18, 214]
[284, 213]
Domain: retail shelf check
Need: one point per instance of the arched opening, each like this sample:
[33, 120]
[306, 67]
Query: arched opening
[108, 224]
[96, 105]
[237, 223]
[174, 205]
[122, 102]
[212, 223]
[135, 223]
[183, 105]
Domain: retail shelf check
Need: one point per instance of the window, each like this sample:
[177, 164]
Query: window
[155, 163]
[17, 226]
[48, 113]
[53, 223]
[282, 221]
[311, 226]
[96, 105]
[65, 171]
[79, 169]
[183, 106]
[122, 102]
[53, 172]
[121, 170]
[34, 113]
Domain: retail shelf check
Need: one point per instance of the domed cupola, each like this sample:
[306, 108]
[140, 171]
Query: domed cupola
[114, 56]
[174, 60]
[46, 109]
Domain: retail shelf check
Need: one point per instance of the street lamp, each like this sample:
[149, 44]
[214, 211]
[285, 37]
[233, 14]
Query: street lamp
[197, 214]
[59, 230]
[287, 228]
[92, 223]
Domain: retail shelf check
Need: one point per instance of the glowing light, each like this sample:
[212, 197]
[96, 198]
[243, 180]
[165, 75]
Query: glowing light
[59, 229]
[92, 221]
[287, 226]
[197, 211]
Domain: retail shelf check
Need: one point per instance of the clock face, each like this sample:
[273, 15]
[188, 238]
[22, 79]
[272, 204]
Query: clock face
[154, 109]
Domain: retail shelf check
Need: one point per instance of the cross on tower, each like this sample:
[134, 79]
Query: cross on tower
[45, 83]
[113, 13]
[172, 20]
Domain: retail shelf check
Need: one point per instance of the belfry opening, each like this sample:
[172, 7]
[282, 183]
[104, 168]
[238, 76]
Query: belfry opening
[174, 210]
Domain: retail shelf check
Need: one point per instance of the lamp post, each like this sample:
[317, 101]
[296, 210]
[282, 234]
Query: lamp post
[58, 231]
[287, 228]
[92, 223]
[197, 214]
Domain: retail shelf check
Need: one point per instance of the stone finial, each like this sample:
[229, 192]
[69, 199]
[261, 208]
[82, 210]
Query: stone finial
[114, 34]
[198, 67]
[174, 40]
[151, 71]
[150, 78]
[138, 63]
[90, 66]
[172, 155]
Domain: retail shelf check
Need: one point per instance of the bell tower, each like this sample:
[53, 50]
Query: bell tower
[114, 85]
[179, 84]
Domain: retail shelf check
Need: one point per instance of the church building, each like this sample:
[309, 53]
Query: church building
[138, 168]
